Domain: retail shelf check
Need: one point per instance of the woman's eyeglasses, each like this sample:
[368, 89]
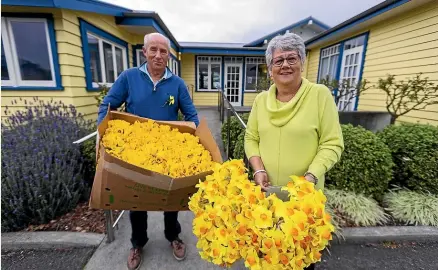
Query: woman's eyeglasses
[291, 60]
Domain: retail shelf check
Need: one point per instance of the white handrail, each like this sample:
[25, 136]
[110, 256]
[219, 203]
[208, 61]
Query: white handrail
[85, 138]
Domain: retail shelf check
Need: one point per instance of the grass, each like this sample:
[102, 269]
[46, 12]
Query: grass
[358, 209]
[412, 208]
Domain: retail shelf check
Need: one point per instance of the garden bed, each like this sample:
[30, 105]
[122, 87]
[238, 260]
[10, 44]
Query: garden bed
[81, 219]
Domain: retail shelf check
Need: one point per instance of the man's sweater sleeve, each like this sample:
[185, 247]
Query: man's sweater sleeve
[186, 105]
[116, 96]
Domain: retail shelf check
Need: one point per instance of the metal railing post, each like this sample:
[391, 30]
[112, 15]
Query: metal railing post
[109, 226]
[228, 132]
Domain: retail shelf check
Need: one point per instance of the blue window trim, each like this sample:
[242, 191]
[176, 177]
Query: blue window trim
[341, 54]
[242, 88]
[134, 54]
[244, 80]
[87, 27]
[222, 73]
[53, 47]
[364, 53]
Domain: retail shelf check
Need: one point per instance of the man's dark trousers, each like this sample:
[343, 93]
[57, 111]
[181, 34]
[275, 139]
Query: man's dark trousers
[139, 226]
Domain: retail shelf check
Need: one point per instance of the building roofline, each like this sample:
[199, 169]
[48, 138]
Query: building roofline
[361, 17]
[299, 23]
[94, 6]
[153, 15]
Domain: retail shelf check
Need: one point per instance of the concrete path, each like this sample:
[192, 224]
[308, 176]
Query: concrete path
[214, 123]
[157, 253]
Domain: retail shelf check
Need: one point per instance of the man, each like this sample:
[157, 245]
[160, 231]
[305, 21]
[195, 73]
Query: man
[152, 91]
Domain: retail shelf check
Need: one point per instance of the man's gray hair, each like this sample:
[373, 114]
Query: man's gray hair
[286, 42]
[151, 35]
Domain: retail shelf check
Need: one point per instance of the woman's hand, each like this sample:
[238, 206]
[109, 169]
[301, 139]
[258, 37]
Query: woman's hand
[261, 179]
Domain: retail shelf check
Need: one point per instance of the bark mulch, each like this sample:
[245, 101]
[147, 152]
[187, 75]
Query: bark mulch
[80, 219]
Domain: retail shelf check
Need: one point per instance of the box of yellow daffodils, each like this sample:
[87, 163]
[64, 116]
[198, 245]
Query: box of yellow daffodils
[150, 165]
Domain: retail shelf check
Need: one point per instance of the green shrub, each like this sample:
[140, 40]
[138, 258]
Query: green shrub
[410, 207]
[239, 152]
[357, 208]
[414, 149]
[239, 147]
[365, 166]
[235, 131]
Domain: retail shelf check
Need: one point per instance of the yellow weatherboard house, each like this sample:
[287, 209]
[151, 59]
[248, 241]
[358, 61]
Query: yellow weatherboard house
[67, 49]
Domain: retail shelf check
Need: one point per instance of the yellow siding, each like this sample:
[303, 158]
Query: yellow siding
[64, 96]
[69, 45]
[403, 46]
[188, 75]
[311, 68]
[248, 98]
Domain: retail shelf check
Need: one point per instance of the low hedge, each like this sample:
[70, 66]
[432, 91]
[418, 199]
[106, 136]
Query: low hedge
[236, 130]
[414, 149]
[365, 166]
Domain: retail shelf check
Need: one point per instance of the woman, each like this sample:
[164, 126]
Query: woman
[293, 128]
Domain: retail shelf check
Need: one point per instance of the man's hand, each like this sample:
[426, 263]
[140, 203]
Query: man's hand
[261, 179]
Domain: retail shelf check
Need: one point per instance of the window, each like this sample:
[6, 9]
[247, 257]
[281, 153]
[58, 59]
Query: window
[343, 62]
[172, 63]
[140, 57]
[209, 73]
[27, 59]
[329, 63]
[255, 71]
[107, 60]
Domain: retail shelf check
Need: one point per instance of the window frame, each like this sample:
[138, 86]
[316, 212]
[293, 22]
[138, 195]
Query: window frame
[339, 64]
[138, 51]
[263, 59]
[102, 36]
[330, 57]
[15, 81]
[209, 63]
[102, 59]
[173, 65]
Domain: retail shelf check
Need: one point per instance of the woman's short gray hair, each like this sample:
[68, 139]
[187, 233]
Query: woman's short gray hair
[286, 42]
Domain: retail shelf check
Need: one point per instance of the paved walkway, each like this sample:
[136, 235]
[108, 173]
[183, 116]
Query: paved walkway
[157, 253]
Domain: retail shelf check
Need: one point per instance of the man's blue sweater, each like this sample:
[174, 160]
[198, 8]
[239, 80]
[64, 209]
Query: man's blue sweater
[135, 87]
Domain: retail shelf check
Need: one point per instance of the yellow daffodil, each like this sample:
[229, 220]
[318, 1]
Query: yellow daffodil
[266, 232]
[164, 150]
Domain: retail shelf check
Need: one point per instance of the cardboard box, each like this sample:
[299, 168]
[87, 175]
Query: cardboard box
[122, 186]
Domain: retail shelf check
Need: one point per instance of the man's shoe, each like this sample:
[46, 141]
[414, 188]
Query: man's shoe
[134, 259]
[179, 249]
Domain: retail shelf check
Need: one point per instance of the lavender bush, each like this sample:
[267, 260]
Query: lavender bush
[43, 173]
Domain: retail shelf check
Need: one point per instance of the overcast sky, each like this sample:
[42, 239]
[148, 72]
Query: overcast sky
[243, 20]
